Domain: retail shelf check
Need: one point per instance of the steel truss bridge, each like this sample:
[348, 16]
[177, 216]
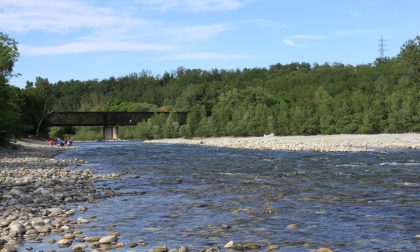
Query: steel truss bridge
[108, 120]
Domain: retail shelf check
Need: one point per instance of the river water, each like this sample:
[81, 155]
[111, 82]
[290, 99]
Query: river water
[204, 196]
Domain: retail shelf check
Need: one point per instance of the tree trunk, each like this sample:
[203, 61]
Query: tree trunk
[39, 126]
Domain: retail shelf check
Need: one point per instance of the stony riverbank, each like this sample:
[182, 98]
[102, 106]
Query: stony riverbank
[34, 190]
[321, 143]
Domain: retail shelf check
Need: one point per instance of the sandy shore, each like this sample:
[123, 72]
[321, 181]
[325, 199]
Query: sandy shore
[322, 143]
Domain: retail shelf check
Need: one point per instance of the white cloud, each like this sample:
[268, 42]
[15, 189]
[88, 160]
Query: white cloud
[193, 5]
[197, 31]
[83, 47]
[290, 42]
[88, 27]
[59, 16]
[203, 56]
[300, 38]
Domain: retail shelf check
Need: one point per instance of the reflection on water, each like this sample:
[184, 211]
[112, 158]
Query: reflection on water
[201, 196]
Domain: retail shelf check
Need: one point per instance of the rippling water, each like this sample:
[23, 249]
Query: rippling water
[345, 201]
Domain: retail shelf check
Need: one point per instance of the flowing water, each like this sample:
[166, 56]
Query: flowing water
[203, 196]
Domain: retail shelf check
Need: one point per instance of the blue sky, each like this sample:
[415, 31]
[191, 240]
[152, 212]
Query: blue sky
[96, 39]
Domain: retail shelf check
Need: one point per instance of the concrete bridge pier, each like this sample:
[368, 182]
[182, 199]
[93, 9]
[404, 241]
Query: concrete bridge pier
[110, 132]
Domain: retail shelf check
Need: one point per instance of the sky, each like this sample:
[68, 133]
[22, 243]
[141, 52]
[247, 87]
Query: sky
[97, 39]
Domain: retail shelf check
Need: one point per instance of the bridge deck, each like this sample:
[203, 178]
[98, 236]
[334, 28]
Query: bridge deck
[104, 118]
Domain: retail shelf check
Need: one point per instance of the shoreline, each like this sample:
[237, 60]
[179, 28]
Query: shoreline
[44, 203]
[41, 197]
[318, 143]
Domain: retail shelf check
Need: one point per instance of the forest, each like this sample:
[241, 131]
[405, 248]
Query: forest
[284, 99]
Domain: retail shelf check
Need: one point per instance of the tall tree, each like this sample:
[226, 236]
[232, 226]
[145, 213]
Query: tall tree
[9, 107]
[39, 101]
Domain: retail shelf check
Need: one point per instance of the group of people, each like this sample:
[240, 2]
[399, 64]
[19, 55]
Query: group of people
[61, 142]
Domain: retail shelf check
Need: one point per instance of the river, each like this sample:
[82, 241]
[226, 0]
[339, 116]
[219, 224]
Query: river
[204, 196]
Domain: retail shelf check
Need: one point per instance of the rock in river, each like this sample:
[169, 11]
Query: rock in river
[162, 248]
[16, 229]
[64, 243]
[108, 239]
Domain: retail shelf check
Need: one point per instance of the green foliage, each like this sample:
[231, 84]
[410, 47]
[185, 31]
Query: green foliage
[8, 56]
[10, 124]
[37, 105]
[291, 99]
[56, 132]
[132, 107]
[88, 134]
[410, 56]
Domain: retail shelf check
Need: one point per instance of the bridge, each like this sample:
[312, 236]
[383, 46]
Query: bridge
[108, 120]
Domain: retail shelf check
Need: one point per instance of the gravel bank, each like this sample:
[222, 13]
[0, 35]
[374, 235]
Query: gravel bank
[342, 143]
[34, 190]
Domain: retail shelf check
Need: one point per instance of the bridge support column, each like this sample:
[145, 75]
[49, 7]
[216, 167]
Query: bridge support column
[110, 132]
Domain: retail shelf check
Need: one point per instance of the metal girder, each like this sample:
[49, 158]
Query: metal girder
[104, 118]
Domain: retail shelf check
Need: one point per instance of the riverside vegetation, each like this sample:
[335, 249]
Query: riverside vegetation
[291, 99]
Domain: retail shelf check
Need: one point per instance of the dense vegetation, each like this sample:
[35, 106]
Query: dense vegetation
[296, 98]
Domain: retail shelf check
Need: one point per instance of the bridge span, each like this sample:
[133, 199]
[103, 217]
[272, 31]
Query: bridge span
[108, 120]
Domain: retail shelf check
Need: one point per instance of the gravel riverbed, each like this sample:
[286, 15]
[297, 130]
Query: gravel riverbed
[321, 143]
[43, 201]
[34, 190]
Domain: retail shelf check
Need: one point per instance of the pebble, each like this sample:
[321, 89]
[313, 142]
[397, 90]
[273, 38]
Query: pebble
[324, 250]
[210, 249]
[92, 239]
[132, 244]
[79, 247]
[183, 248]
[108, 239]
[16, 229]
[82, 208]
[81, 220]
[273, 247]
[8, 248]
[162, 248]
[69, 236]
[229, 244]
[320, 143]
[64, 243]
[293, 226]
[34, 190]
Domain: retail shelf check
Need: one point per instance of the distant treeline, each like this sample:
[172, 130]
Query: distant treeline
[291, 99]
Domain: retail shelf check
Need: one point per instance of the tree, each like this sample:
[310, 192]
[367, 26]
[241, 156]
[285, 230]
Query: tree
[9, 106]
[8, 56]
[39, 101]
[410, 55]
